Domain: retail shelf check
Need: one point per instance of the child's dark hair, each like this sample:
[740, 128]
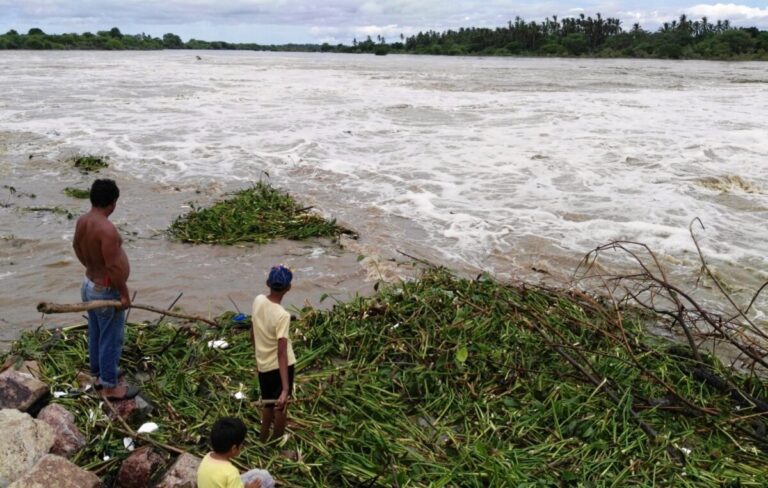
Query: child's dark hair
[227, 432]
[104, 193]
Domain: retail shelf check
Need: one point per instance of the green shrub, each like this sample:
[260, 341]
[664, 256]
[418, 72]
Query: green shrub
[114, 45]
[576, 43]
[669, 50]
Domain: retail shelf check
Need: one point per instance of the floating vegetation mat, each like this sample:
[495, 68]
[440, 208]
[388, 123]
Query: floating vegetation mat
[257, 214]
[441, 382]
[77, 192]
[57, 210]
[89, 162]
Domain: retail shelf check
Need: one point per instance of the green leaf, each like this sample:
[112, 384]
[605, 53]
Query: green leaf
[462, 354]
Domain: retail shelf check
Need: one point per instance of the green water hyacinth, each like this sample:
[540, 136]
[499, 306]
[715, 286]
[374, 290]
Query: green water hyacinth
[258, 214]
[437, 382]
[77, 192]
[90, 163]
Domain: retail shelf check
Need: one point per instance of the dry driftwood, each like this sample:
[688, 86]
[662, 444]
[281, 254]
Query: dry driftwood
[48, 308]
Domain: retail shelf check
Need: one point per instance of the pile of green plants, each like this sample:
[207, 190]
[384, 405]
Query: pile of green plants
[440, 382]
[257, 214]
[77, 192]
[88, 163]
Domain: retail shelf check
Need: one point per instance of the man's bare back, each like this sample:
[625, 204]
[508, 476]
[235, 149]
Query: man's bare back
[98, 246]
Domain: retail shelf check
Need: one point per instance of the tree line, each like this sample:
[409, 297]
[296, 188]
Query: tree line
[112, 39]
[599, 37]
[571, 36]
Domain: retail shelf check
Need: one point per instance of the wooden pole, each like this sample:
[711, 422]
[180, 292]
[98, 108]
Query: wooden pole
[48, 308]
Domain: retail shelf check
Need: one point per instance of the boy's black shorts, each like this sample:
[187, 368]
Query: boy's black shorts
[271, 386]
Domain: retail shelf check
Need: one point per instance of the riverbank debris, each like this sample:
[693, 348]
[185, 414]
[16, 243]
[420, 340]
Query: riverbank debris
[472, 388]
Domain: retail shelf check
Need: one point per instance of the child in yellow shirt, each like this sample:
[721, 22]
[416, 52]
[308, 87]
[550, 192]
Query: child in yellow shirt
[215, 471]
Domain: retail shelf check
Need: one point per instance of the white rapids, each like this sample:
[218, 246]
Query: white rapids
[495, 164]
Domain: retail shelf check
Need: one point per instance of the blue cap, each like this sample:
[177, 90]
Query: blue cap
[279, 277]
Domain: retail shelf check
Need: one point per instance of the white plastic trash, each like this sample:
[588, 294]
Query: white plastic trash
[258, 474]
[128, 443]
[147, 428]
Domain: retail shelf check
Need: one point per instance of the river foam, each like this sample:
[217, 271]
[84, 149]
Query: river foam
[495, 164]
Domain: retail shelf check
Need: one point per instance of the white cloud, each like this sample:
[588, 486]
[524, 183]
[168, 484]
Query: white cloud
[324, 31]
[647, 19]
[729, 11]
[371, 8]
[390, 32]
[268, 21]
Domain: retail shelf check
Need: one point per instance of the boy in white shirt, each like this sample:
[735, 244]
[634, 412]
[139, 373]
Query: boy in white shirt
[274, 353]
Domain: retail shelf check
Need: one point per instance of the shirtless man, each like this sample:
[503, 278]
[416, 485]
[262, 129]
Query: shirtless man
[98, 246]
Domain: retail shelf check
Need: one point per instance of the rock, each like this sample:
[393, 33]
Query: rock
[20, 390]
[68, 438]
[16, 362]
[85, 379]
[183, 473]
[137, 469]
[30, 367]
[9, 361]
[135, 411]
[23, 442]
[56, 471]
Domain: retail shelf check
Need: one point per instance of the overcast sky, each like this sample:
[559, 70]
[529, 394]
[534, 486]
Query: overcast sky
[282, 21]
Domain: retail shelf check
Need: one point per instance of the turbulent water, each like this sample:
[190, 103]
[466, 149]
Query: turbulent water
[509, 165]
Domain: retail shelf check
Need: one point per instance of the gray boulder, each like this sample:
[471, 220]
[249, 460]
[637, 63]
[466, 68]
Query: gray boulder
[30, 367]
[183, 473]
[20, 390]
[135, 411]
[68, 439]
[138, 468]
[55, 471]
[23, 442]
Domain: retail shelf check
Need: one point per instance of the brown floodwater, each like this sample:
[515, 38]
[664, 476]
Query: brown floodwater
[37, 262]
[514, 166]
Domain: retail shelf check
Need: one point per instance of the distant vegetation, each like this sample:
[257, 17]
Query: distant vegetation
[601, 37]
[572, 36]
[113, 39]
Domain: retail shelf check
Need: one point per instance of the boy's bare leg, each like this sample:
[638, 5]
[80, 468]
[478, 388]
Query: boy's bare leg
[267, 413]
[281, 416]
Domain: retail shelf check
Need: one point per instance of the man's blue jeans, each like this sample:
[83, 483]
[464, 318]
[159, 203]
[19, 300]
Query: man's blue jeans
[106, 329]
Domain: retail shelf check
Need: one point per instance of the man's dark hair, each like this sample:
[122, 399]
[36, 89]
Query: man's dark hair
[104, 193]
[227, 432]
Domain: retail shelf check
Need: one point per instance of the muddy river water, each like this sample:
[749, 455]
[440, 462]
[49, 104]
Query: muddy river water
[513, 166]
